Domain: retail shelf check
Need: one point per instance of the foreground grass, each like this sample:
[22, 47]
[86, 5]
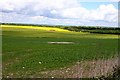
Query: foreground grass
[27, 53]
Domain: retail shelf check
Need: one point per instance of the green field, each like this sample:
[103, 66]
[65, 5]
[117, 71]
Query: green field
[26, 52]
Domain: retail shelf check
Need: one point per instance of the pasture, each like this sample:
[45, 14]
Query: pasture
[27, 53]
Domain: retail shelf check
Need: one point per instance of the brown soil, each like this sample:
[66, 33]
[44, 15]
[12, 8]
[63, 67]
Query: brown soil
[83, 69]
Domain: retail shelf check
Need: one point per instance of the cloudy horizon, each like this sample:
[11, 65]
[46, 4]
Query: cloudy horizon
[60, 12]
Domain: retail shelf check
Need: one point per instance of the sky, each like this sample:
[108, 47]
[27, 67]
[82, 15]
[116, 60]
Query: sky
[60, 12]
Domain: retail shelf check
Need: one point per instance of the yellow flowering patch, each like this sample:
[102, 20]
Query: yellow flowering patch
[38, 28]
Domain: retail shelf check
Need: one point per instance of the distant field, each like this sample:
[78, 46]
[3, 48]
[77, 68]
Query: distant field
[26, 50]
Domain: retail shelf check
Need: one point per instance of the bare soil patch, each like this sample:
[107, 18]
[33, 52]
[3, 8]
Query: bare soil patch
[61, 43]
[51, 31]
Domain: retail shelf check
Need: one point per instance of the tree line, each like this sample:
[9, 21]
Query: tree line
[90, 29]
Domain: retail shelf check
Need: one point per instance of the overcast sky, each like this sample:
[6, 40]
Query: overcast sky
[60, 12]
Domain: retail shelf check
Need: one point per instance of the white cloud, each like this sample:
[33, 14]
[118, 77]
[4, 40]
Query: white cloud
[99, 0]
[0, 17]
[55, 10]
[12, 5]
[77, 12]
[104, 12]
[13, 17]
[37, 5]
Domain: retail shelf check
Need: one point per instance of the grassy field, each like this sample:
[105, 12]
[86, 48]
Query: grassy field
[26, 51]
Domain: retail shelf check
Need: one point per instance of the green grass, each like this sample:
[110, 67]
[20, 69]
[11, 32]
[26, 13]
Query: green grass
[27, 47]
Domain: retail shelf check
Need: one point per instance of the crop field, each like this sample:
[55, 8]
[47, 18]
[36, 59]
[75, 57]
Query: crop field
[27, 52]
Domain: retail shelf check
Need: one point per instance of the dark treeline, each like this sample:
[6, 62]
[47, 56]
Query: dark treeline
[95, 29]
[91, 29]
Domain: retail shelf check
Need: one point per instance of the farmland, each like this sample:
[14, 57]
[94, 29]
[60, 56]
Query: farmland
[27, 53]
